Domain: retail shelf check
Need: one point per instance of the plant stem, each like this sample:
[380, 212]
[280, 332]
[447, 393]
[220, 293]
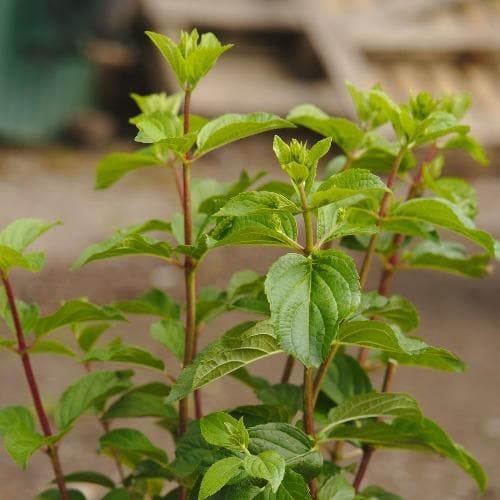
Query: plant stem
[383, 289]
[34, 390]
[322, 371]
[306, 214]
[287, 371]
[189, 267]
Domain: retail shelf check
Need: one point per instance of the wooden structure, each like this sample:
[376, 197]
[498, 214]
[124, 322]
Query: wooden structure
[437, 45]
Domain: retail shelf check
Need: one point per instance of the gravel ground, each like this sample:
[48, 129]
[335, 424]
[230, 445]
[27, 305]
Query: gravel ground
[459, 314]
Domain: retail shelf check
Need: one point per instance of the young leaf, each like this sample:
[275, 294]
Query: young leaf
[309, 296]
[12, 415]
[21, 442]
[448, 256]
[233, 127]
[291, 443]
[154, 302]
[336, 488]
[75, 311]
[293, 487]
[347, 134]
[28, 313]
[218, 475]
[268, 465]
[51, 347]
[88, 391]
[442, 213]
[256, 203]
[22, 232]
[373, 405]
[170, 333]
[131, 440]
[241, 345]
[10, 258]
[348, 187]
[455, 190]
[468, 144]
[221, 429]
[114, 166]
[87, 335]
[158, 102]
[116, 351]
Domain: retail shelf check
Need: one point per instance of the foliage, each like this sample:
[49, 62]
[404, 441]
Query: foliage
[311, 305]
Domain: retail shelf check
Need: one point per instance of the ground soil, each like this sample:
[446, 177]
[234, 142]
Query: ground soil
[461, 314]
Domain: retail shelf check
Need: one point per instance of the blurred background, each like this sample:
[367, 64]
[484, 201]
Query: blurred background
[67, 68]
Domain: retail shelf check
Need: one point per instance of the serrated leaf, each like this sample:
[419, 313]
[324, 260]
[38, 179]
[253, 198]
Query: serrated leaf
[455, 190]
[75, 311]
[288, 395]
[438, 124]
[116, 351]
[158, 102]
[278, 229]
[261, 414]
[132, 440]
[373, 405]
[233, 127]
[442, 213]
[218, 475]
[256, 203]
[21, 441]
[268, 465]
[154, 302]
[447, 256]
[170, 333]
[114, 166]
[223, 430]
[238, 347]
[28, 313]
[431, 357]
[348, 187]
[293, 487]
[347, 134]
[90, 477]
[137, 403]
[88, 391]
[10, 258]
[309, 296]
[22, 232]
[291, 443]
[11, 415]
[468, 144]
[344, 379]
[334, 222]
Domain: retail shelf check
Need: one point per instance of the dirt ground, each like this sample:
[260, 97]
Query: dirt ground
[462, 315]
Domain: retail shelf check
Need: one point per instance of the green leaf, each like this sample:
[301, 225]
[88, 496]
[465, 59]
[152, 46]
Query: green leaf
[344, 379]
[309, 296]
[10, 258]
[114, 166]
[348, 187]
[12, 415]
[347, 134]
[268, 465]
[87, 392]
[218, 475]
[336, 488]
[117, 494]
[233, 127]
[51, 347]
[154, 302]
[87, 335]
[291, 443]
[377, 335]
[28, 313]
[192, 58]
[21, 442]
[158, 102]
[54, 494]
[373, 405]
[293, 487]
[124, 242]
[132, 440]
[256, 203]
[261, 414]
[22, 232]
[279, 229]
[75, 311]
[376, 493]
[438, 124]
[430, 357]
[455, 190]
[334, 222]
[137, 403]
[448, 256]
[241, 345]
[468, 144]
[221, 429]
[288, 395]
[116, 351]
[170, 333]
[442, 213]
[90, 477]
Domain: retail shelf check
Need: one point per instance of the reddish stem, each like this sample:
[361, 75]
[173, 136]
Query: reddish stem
[33, 387]
[287, 370]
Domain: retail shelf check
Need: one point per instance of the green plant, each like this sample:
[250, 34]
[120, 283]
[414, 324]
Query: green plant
[314, 303]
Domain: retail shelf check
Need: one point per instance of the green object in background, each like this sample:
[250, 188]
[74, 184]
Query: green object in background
[44, 79]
